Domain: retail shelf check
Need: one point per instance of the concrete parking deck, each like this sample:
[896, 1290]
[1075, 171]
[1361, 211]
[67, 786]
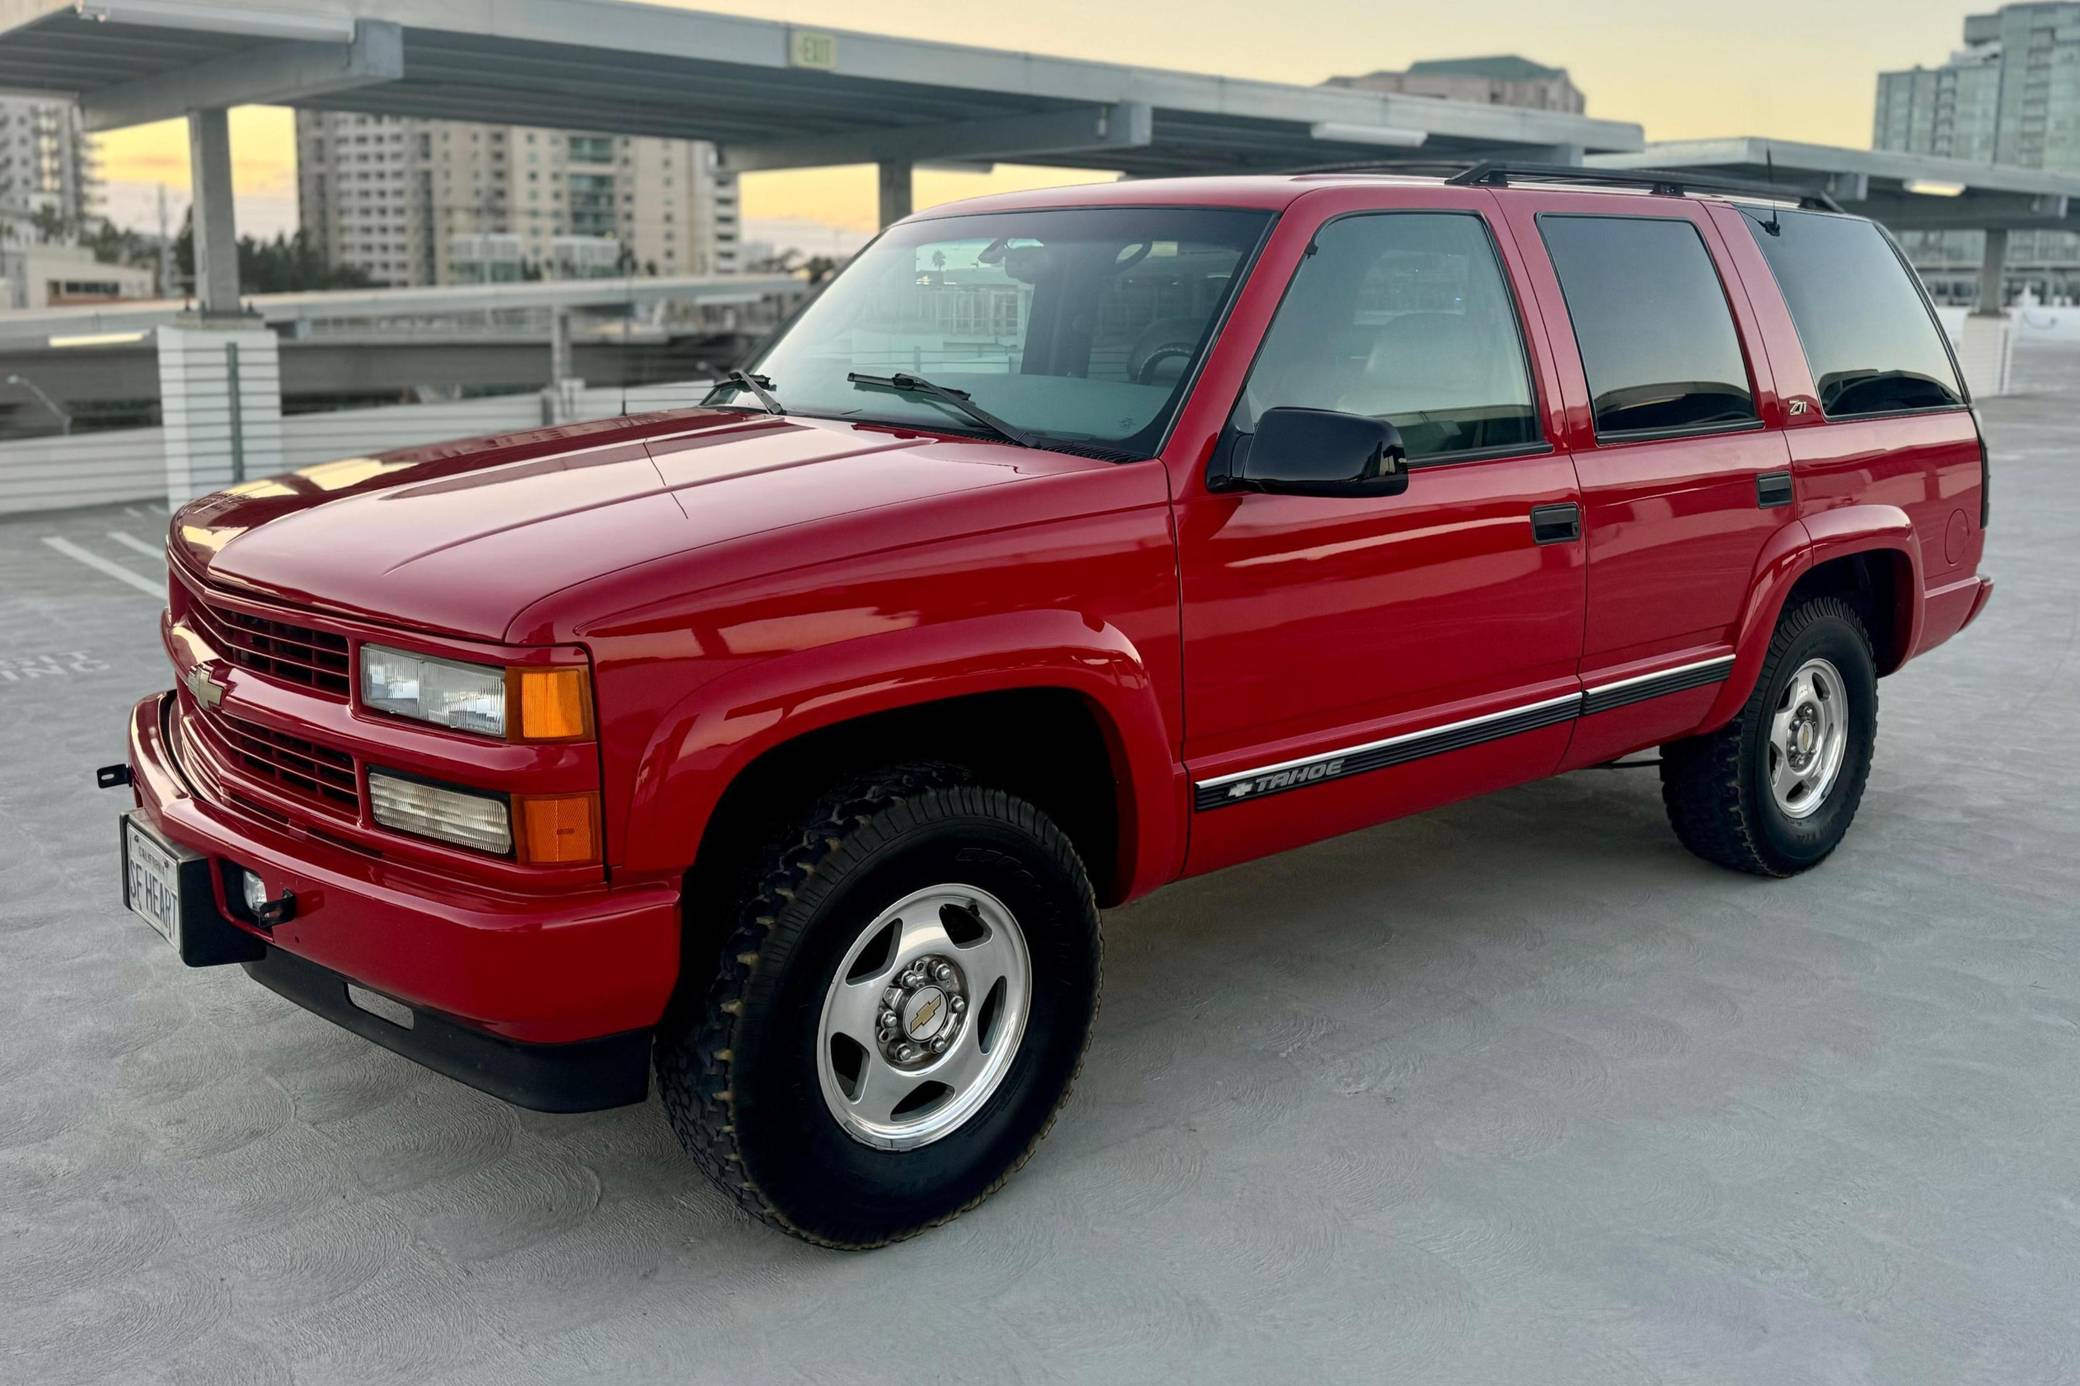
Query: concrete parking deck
[1516, 1091]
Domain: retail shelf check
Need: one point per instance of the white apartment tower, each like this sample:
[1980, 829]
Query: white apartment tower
[419, 201]
[46, 165]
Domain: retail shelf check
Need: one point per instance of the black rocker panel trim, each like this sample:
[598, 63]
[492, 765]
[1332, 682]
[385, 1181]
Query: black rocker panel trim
[1229, 790]
[1657, 685]
[1225, 791]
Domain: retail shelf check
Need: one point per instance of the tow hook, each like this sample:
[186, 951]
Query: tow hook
[112, 776]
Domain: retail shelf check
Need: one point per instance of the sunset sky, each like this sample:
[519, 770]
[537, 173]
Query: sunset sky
[1793, 69]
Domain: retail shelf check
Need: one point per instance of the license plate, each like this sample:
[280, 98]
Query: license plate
[152, 882]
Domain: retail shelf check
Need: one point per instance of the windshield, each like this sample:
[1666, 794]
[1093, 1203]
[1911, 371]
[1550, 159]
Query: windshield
[1078, 327]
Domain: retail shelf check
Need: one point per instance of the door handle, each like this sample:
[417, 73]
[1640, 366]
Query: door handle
[1556, 524]
[1773, 489]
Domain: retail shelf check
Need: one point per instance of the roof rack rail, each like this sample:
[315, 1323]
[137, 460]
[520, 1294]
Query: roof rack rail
[1497, 173]
[1414, 168]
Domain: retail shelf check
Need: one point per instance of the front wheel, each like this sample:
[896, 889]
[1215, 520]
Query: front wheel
[1774, 791]
[898, 1015]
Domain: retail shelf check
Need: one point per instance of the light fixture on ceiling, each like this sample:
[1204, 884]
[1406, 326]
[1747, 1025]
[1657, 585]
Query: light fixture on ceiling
[1387, 136]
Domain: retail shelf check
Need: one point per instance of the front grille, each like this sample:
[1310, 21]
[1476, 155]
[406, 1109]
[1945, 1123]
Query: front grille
[317, 775]
[315, 659]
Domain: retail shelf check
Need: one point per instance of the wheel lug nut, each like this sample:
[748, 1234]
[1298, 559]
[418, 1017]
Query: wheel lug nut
[907, 1053]
[942, 972]
[939, 1045]
[958, 1004]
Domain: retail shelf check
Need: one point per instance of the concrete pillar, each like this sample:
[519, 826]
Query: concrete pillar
[1986, 348]
[216, 225]
[559, 345]
[562, 395]
[896, 200]
[1993, 269]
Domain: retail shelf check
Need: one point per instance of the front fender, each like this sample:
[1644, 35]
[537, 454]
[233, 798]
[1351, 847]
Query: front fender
[1792, 552]
[711, 735]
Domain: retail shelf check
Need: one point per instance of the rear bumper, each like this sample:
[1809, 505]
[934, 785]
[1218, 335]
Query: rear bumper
[544, 1000]
[1948, 609]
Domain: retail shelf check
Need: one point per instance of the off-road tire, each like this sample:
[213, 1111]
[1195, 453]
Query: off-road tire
[736, 1057]
[1716, 787]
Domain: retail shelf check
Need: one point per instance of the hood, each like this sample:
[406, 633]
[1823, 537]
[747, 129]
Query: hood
[460, 537]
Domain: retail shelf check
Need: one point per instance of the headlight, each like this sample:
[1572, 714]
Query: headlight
[530, 703]
[460, 816]
[467, 697]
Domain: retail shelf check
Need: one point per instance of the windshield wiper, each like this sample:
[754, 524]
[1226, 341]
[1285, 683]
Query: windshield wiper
[756, 385]
[906, 384]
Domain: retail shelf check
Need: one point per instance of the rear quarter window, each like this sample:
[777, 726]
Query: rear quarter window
[1872, 344]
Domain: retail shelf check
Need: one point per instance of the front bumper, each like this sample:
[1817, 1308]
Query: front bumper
[546, 1001]
[582, 1076]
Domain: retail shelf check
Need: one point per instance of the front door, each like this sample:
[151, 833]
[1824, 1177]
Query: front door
[1350, 660]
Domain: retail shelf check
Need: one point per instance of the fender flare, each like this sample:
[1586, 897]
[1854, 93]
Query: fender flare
[713, 734]
[1790, 554]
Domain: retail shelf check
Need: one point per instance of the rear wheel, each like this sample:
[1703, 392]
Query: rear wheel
[1774, 791]
[897, 1015]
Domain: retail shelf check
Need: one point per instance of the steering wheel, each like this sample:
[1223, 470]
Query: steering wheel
[1164, 342]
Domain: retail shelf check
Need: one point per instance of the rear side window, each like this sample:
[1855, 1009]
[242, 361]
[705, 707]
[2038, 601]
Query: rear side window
[1868, 335]
[1650, 317]
[1403, 316]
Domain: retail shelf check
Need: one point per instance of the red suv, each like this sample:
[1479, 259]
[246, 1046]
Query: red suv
[1069, 543]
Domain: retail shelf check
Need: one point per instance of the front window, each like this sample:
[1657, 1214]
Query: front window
[1078, 327]
[1403, 316]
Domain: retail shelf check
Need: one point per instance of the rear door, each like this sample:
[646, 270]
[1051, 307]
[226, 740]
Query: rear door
[1351, 659]
[1672, 417]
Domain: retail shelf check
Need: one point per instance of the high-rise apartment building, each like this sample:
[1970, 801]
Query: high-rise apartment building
[1502, 80]
[2011, 95]
[46, 166]
[439, 202]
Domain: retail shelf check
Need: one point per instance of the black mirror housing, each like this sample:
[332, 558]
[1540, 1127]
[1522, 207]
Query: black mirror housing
[1316, 452]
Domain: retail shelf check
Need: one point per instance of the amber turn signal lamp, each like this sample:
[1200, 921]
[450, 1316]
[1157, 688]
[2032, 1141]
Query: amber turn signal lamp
[557, 829]
[553, 704]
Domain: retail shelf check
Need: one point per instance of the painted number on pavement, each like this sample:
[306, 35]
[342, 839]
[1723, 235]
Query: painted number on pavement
[21, 668]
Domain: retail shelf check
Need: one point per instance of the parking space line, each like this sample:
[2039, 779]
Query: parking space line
[137, 545]
[154, 590]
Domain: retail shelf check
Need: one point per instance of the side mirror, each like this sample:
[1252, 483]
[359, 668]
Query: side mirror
[1316, 452]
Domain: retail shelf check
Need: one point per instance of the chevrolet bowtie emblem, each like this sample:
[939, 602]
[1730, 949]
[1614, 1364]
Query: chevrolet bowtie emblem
[1239, 791]
[205, 690]
[924, 1016]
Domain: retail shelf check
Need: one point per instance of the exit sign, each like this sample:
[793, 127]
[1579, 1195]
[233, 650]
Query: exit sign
[812, 48]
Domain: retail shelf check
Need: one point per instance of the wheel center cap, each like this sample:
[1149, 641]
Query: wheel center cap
[1804, 741]
[925, 1014]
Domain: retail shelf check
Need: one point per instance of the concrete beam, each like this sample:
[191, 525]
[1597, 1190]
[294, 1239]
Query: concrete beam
[274, 74]
[20, 14]
[1920, 212]
[1119, 125]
